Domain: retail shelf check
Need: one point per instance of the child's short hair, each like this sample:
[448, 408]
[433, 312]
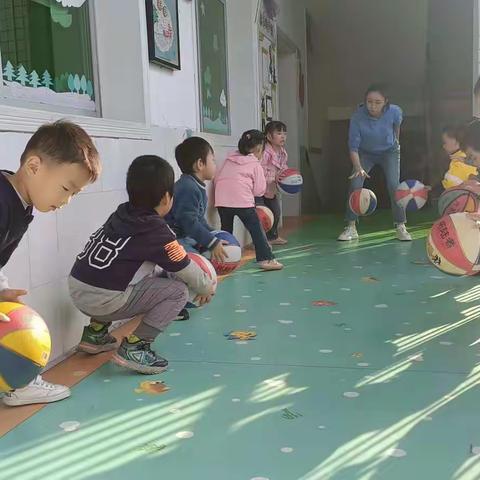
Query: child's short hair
[275, 126]
[191, 150]
[472, 137]
[456, 132]
[149, 178]
[64, 142]
[250, 140]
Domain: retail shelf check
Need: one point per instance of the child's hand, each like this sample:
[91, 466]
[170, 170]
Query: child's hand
[4, 318]
[218, 253]
[203, 299]
[11, 295]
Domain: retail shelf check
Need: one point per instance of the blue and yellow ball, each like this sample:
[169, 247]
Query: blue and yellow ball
[25, 345]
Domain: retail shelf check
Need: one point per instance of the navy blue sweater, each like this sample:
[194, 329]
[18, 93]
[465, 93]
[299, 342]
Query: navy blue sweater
[187, 217]
[14, 219]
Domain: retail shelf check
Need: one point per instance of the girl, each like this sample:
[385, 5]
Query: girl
[238, 182]
[274, 161]
[374, 140]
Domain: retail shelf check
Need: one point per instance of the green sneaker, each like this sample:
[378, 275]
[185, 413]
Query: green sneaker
[139, 357]
[94, 342]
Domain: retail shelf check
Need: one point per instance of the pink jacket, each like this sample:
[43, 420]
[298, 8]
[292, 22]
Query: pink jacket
[239, 180]
[273, 163]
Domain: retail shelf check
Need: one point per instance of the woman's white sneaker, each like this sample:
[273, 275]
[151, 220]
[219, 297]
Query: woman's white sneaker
[402, 233]
[350, 233]
[37, 391]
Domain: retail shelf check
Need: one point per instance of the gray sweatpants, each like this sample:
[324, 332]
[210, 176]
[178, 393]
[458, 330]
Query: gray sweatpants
[159, 300]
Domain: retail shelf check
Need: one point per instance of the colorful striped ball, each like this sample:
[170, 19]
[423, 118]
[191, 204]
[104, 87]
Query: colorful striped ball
[463, 198]
[411, 195]
[453, 245]
[207, 267]
[290, 181]
[233, 250]
[265, 215]
[25, 345]
[362, 202]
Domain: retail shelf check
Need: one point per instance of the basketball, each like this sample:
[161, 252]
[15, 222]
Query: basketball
[290, 181]
[453, 245]
[207, 267]
[362, 202]
[265, 216]
[25, 345]
[234, 253]
[463, 198]
[411, 195]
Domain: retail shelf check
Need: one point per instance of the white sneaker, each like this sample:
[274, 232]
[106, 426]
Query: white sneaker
[37, 391]
[350, 233]
[402, 233]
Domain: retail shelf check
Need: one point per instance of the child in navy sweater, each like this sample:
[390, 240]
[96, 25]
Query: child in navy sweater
[134, 266]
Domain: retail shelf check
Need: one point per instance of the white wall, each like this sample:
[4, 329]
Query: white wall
[43, 260]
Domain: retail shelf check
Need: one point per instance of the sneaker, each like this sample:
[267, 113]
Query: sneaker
[139, 357]
[402, 233]
[37, 391]
[182, 316]
[270, 265]
[94, 342]
[278, 241]
[350, 233]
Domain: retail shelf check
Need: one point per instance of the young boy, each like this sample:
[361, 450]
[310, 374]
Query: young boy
[117, 275]
[459, 171]
[274, 161]
[472, 148]
[196, 160]
[57, 163]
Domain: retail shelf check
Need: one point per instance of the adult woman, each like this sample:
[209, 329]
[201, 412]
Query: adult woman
[374, 140]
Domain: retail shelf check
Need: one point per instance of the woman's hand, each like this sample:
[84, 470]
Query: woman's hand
[359, 172]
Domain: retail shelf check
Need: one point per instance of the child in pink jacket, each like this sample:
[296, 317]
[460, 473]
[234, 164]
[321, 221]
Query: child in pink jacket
[274, 162]
[238, 182]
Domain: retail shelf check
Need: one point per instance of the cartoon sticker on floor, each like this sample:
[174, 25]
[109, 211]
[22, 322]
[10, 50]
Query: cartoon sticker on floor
[323, 303]
[241, 335]
[152, 388]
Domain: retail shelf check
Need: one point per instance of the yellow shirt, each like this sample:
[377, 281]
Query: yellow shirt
[458, 171]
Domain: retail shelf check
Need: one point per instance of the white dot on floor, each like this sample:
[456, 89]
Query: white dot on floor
[396, 452]
[292, 336]
[399, 334]
[246, 296]
[255, 359]
[305, 308]
[446, 344]
[285, 322]
[476, 450]
[347, 329]
[326, 350]
[240, 311]
[259, 478]
[235, 400]
[429, 313]
[285, 304]
[252, 326]
[259, 290]
[139, 399]
[335, 312]
[217, 375]
[107, 380]
[424, 302]
[406, 323]
[358, 267]
[351, 394]
[307, 289]
[286, 450]
[70, 426]
[293, 278]
[409, 291]
[185, 434]
[345, 289]
[241, 342]
[381, 305]
[321, 427]
[363, 364]
[175, 334]
[189, 344]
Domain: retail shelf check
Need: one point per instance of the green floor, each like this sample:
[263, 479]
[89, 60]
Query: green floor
[382, 385]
